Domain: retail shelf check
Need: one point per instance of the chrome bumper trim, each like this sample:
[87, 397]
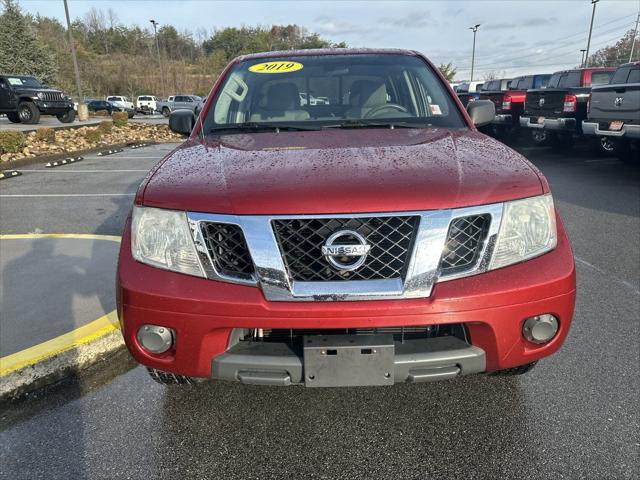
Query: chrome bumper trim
[628, 131]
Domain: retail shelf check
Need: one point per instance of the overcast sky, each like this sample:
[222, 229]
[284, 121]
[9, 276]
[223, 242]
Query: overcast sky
[515, 37]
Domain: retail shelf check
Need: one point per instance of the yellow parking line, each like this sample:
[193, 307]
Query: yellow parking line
[80, 336]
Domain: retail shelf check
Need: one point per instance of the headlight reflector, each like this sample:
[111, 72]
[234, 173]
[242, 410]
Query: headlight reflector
[528, 229]
[161, 238]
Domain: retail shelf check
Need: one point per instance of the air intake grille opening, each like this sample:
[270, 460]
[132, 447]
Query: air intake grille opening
[464, 243]
[391, 240]
[228, 250]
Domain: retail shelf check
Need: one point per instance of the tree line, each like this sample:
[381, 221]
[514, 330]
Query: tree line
[118, 59]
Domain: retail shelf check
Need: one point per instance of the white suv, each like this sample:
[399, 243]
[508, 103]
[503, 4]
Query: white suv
[120, 101]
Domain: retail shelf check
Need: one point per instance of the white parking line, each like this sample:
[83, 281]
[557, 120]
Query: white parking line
[69, 195]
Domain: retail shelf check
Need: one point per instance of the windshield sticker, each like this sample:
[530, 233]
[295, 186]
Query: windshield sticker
[275, 67]
[435, 109]
[15, 81]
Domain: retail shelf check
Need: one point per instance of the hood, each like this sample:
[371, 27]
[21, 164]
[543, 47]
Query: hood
[339, 171]
[36, 89]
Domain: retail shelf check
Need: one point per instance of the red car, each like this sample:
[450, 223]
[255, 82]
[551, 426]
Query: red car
[371, 239]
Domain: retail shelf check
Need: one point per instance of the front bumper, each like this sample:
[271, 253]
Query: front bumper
[627, 131]
[558, 124]
[53, 107]
[203, 313]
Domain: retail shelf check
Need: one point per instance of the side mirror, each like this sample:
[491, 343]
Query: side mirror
[482, 112]
[182, 121]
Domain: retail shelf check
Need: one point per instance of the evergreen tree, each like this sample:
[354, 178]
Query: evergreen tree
[20, 51]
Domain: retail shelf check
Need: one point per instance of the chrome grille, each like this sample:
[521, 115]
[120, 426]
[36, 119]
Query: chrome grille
[228, 249]
[465, 240]
[391, 238]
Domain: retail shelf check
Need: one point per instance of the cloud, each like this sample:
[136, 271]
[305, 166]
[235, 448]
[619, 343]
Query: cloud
[413, 19]
[538, 21]
[326, 25]
[500, 26]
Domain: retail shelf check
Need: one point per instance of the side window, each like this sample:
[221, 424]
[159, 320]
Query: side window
[600, 78]
[620, 76]
[634, 76]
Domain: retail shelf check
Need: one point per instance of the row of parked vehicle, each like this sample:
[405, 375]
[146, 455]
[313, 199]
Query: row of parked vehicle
[150, 104]
[585, 104]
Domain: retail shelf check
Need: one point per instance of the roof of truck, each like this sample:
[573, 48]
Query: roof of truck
[326, 51]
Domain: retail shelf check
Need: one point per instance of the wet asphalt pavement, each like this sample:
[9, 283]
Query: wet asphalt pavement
[574, 416]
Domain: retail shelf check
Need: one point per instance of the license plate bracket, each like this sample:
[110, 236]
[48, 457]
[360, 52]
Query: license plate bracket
[616, 126]
[348, 360]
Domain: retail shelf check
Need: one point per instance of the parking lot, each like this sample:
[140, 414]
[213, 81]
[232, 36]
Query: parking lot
[574, 416]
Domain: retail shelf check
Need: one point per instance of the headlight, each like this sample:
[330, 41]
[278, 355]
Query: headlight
[40, 95]
[528, 229]
[161, 238]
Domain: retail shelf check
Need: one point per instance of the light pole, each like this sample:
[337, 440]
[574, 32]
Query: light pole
[593, 14]
[582, 50]
[473, 52]
[155, 32]
[73, 53]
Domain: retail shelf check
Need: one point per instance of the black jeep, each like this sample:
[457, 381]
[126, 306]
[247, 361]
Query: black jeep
[23, 99]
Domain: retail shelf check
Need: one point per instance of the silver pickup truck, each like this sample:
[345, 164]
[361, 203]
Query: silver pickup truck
[614, 112]
[178, 102]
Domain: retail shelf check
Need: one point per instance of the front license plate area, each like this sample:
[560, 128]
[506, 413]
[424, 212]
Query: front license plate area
[348, 360]
[616, 126]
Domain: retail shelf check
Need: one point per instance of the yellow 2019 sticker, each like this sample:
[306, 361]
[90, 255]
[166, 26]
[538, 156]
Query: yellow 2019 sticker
[275, 67]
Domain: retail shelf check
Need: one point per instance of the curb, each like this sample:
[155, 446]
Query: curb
[63, 162]
[9, 174]
[62, 356]
[24, 372]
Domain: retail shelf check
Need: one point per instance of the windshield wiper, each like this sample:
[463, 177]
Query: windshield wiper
[256, 126]
[367, 124]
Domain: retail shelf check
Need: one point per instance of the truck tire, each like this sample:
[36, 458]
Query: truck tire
[13, 117]
[28, 113]
[166, 112]
[67, 117]
[166, 378]
[539, 137]
[519, 370]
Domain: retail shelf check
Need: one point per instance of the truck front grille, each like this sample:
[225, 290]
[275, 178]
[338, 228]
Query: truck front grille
[53, 96]
[391, 239]
[228, 249]
[465, 241]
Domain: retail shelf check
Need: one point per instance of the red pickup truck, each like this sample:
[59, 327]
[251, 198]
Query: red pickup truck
[373, 239]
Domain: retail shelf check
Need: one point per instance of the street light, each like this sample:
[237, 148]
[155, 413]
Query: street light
[582, 50]
[473, 54]
[155, 32]
[593, 14]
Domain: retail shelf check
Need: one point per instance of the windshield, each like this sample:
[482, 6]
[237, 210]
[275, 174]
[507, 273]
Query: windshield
[332, 90]
[24, 82]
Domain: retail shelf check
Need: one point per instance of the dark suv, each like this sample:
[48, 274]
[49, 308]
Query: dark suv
[23, 99]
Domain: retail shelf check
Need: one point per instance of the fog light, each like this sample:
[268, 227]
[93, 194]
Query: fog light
[155, 339]
[540, 329]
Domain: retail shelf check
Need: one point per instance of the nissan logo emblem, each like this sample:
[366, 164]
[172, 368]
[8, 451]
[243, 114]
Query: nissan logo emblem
[346, 250]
